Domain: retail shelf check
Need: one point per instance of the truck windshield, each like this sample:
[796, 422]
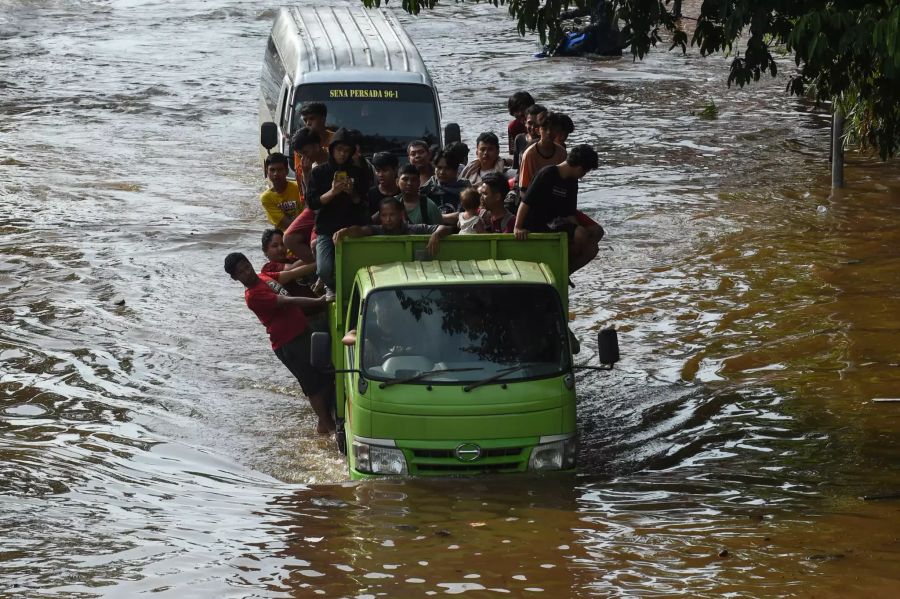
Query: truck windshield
[464, 333]
[388, 115]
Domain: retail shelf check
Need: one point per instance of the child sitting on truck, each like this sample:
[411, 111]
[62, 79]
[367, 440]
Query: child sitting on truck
[393, 222]
[469, 219]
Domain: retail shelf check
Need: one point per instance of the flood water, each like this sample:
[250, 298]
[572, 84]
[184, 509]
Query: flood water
[151, 442]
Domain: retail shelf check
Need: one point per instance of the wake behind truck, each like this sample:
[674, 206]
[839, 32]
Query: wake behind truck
[454, 366]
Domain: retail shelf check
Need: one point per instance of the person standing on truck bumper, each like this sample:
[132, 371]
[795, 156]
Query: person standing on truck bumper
[337, 190]
[288, 329]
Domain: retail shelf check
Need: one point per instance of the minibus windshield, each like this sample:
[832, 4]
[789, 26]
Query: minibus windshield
[464, 333]
[388, 115]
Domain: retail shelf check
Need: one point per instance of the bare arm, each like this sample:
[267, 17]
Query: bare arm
[521, 214]
[295, 271]
[442, 231]
[354, 231]
[337, 187]
[304, 303]
[450, 219]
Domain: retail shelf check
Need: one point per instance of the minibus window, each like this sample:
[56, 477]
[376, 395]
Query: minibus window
[272, 77]
[388, 115]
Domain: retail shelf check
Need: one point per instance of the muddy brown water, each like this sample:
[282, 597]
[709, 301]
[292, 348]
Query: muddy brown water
[158, 446]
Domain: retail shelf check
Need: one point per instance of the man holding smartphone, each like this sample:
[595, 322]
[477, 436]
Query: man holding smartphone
[337, 191]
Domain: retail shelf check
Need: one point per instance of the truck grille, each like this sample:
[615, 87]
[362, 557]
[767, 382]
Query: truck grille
[443, 462]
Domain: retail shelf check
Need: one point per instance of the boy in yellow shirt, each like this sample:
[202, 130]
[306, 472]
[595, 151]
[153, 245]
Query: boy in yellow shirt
[282, 200]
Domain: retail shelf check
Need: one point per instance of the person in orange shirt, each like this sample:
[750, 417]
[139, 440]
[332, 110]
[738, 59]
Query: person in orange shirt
[314, 115]
[545, 152]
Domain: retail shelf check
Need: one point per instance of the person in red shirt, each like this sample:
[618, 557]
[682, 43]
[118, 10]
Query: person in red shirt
[289, 331]
[517, 104]
[495, 216]
[291, 273]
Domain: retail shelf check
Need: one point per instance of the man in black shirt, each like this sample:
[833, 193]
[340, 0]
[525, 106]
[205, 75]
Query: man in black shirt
[337, 190]
[551, 204]
[393, 222]
[386, 166]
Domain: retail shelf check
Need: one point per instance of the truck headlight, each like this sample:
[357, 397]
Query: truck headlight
[378, 460]
[556, 455]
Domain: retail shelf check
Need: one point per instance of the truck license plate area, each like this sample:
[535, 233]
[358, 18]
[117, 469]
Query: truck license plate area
[443, 462]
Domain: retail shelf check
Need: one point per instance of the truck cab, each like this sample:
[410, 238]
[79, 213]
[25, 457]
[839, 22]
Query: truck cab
[453, 366]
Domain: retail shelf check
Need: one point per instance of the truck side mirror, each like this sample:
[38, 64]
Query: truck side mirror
[608, 347]
[452, 133]
[320, 350]
[268, 135]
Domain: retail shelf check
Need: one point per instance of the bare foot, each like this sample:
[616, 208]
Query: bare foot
[325, 428]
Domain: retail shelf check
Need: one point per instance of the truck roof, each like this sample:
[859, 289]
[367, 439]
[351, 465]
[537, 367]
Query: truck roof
[455, 272]
[396, 260]
[370, 44]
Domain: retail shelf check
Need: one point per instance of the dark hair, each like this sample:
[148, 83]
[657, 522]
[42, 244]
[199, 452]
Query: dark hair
[519, 101]
[469, 199]
[553, 120]
[393, 202]
[409, 169]
[452, 159]
[434, 149]
[304, 137]
[275, 158]
[415, 144]
[385, 160]
[459, 150]
[314, 108]
[232, 260]
[535, 109]
[488, 137]
[566, 123]
[354, 137]
[267, 236]
[496, 182]
[584, 156]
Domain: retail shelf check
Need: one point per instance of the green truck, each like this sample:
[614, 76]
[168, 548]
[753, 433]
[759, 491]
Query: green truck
[456, 365]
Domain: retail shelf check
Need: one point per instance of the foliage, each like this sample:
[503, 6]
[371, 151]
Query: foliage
[709, 112]
[845, 50]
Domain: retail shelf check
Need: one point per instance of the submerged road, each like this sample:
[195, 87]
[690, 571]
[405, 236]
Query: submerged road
[151, 442]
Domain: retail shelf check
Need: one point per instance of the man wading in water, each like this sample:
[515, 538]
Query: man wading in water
[288, 329]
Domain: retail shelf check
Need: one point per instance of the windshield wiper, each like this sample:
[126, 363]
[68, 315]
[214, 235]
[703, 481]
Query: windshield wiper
[495, 377]
[421, 375]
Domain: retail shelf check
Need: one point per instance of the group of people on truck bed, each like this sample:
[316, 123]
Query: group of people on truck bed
[338, 193]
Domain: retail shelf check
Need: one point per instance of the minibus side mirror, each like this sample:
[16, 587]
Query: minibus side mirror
[268, 135]
[452, 133]
[320, 350]
[608, 347]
